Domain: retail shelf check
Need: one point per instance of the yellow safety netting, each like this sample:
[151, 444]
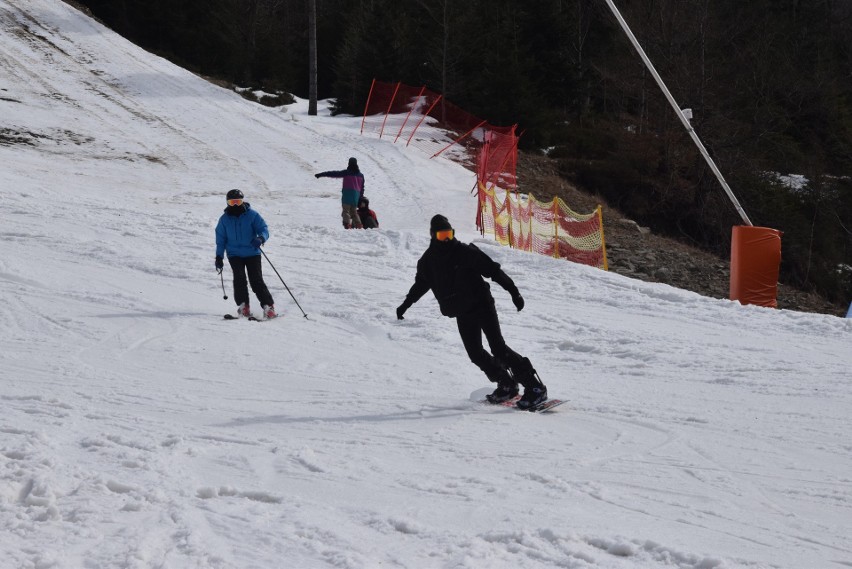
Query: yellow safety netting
[551, 229]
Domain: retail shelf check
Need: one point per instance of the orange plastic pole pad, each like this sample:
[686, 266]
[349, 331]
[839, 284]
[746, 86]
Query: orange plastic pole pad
[755, 263]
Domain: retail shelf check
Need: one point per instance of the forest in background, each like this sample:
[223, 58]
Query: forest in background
[769, 83]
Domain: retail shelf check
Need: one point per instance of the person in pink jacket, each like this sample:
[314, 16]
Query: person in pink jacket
[352, 191]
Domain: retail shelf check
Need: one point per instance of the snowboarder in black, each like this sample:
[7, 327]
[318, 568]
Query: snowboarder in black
[453, 271]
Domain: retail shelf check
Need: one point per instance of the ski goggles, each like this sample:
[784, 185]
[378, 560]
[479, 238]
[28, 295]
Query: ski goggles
[444, 235]
[235, 202]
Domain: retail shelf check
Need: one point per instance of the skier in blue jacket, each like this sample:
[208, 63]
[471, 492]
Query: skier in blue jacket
[352, 191]
[240, 232]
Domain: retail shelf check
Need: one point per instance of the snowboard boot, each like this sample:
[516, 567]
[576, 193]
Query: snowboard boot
[243, 310]
[535, 393]
[532, 397]
[504, 392]
[507, 387]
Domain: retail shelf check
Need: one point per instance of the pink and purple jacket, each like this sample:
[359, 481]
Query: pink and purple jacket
[353, 184]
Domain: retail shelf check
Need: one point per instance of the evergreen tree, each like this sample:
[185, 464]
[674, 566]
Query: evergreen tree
[767, 81]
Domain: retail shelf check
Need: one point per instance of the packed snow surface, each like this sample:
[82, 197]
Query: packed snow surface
[140, 429]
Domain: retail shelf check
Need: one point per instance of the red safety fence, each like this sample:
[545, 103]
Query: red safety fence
[497, 160]
[399, 112]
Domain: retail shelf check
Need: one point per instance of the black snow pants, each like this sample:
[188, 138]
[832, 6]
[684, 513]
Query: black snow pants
[251, 265]
[483, 319]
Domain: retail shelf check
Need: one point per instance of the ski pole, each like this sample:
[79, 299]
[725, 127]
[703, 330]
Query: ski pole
[285, 284]
[224, 294]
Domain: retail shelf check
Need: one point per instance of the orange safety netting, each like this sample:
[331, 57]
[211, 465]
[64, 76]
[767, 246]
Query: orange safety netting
[551, 229]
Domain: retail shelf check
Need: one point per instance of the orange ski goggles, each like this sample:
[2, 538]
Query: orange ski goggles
[235, 202]
[444, 235]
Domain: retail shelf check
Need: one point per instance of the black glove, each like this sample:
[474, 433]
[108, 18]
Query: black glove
[400, 311]
[257, 241]
[220, 264]
[317, 176]
[519, 301]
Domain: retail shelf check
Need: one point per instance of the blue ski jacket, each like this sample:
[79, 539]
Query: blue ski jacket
[234, 233]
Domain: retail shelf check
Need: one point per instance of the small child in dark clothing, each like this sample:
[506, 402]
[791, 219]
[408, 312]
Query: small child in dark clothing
[368, 216]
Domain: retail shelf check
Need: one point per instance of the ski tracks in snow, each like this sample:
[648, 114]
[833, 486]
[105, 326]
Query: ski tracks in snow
[141, 430]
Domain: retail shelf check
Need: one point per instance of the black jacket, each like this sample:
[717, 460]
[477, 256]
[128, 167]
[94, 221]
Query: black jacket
[453, 271]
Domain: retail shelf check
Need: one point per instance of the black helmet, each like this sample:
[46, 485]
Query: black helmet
[234, 195]
[353, 164]
[363, 202]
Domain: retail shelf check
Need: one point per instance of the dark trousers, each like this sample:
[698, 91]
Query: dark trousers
[251, 265]
[483, 319]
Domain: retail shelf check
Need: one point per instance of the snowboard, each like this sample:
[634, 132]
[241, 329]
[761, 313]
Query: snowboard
[546, 406]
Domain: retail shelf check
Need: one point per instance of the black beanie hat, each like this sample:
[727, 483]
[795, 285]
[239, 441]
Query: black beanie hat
[353, 163]
[439, 223]
[234, 195]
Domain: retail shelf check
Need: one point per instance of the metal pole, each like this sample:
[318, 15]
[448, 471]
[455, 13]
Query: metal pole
[312, 58]
[678, 111]
[282, 282]
[222, 278]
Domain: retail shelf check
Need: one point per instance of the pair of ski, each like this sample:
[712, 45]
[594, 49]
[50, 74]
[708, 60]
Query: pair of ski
[250, 318]
[543, 407]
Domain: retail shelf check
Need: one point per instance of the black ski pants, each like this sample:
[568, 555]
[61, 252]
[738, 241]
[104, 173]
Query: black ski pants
[483, 319]
[251, 265]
